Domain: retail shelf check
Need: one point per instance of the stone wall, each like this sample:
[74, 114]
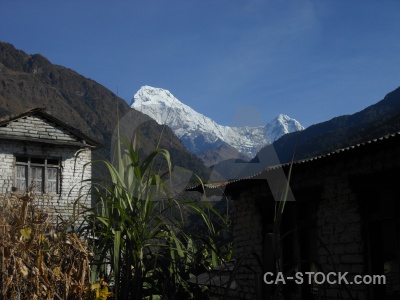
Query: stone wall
[340, 225]
[72, 161]
[341, 245]
[38, 128]
[340, 215]
[248, 243]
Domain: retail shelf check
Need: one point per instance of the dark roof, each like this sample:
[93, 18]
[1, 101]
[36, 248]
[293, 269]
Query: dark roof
[224, 187]
[87, 141]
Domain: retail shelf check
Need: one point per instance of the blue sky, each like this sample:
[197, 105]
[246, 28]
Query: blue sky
[311, 60]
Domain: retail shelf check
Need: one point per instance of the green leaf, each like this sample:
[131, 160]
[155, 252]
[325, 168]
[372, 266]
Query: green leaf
[26, 232]
[117, 254]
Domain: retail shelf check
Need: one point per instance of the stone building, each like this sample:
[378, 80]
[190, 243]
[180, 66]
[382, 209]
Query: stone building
[345, 217]
[39, 152]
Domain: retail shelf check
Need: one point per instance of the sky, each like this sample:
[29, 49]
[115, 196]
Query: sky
[312, 60]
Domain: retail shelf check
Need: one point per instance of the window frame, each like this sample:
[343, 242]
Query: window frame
[45, 163]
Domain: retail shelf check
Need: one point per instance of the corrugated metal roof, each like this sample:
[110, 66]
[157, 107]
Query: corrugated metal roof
[217, 185]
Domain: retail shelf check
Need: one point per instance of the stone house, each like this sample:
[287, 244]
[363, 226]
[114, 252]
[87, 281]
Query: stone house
[41, 153]
[345, 217]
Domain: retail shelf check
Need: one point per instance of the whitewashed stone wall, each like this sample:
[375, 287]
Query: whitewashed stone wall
[73, 170]
[38, 128]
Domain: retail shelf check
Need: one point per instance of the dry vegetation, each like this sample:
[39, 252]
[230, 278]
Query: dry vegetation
[38, 259]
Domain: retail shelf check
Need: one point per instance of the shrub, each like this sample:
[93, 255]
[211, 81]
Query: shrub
[38, 259]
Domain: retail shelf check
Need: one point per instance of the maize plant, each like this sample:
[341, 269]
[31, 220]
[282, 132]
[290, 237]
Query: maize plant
[38, 261]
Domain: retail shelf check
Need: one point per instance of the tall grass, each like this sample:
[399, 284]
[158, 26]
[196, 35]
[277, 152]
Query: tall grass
[136, 230]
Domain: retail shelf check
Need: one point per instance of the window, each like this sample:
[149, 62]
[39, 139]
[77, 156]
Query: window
[40, 173]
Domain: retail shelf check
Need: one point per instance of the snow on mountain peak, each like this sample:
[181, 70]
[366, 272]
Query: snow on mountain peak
[148, 94]
[199, 132]
[281, 125]
[164, 108]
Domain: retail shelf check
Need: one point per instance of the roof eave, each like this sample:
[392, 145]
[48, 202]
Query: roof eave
[47, 141]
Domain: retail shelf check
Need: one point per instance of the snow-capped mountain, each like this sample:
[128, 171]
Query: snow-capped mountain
[200, 133]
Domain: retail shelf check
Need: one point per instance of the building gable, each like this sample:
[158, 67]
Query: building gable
[40, 153]
[38, 126]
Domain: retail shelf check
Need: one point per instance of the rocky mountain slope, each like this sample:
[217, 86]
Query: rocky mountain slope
[372, 122]
[202, 135]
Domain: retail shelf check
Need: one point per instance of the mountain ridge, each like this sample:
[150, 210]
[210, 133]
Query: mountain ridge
[372, 122]
[200, 133]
